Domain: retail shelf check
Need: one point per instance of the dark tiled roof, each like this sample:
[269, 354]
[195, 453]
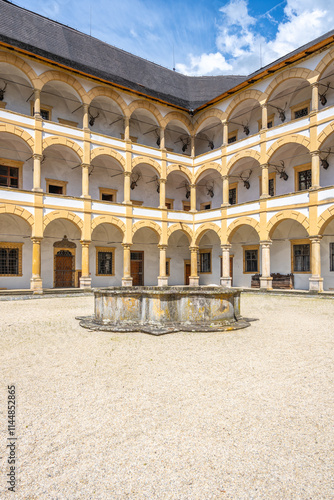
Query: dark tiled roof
[59, 43]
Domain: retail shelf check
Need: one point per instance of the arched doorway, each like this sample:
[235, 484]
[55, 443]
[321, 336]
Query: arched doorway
[64, 263]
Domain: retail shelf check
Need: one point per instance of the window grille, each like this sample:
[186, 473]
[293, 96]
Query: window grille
[105, 263]
[304, 179]
[9, 261]
[331, 256]
[301, 112]
[232, 196]
[9, 176]
[251, 261]
[205, 262]
[301, 258]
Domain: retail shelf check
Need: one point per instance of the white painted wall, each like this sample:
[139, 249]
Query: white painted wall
[106, 235]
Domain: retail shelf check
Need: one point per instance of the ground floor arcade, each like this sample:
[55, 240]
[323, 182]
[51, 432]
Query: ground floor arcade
[62, 258]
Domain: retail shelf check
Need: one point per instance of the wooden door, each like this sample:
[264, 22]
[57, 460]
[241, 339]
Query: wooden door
[64, 269]
[137, 268]
[187, 271]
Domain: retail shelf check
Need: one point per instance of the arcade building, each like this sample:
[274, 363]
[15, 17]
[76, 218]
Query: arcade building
[117, 171]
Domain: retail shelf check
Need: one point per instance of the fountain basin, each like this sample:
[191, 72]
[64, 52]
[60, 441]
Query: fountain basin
[161, 310]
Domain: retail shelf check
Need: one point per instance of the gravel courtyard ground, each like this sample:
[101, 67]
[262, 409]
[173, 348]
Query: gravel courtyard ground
[238, 415]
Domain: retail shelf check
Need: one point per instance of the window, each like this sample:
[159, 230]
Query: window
[251, 259]
[300, 110]
[45, 111]
[105, 261]
[186, 206]
[10, 259]
[231, 139]
[168, 267]
[233, 194]
[54, 186]
[270, 124]
[169, 203]
[303, 177]
[301, 256]
[9, 176]
[45, 114]
[108, 194]
[205, 206]
[205, 261]
[331, 256]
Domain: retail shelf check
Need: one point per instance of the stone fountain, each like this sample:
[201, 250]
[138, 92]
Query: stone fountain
[161, 310]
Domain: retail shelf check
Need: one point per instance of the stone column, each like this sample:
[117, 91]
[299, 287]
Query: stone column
[127, 189]
[226, 194]
[162, 138]
[315, 169]
[126, 280]
[264, 119]
[315, 97]
[162, 183]
[193, 197]
[37, 172]
[316, 281]
[85, 280]
[264, 181]
[85, 118]
[85, 180]
[163, 278]
[193, 278]
[192, 145]
[225, 133]
[36, 280]
[266, 280]
[126, 128]
[37, 103]
[225, 279]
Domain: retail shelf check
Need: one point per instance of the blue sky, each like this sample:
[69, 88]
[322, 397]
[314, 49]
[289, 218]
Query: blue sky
[208, 37]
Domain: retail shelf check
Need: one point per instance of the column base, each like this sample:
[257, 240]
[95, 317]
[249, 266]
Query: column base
[193, 280]
[126, 281]
[37, 190]
[162, 280]
[316, 284]
[86, 196]
[85, 282]
[227, 282]
[266, 283]
[264, 196]
[36, 285]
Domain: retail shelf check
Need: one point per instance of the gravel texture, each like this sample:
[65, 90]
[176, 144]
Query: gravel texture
[236, 415]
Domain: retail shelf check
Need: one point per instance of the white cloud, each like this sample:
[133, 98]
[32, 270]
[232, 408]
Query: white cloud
[242, 49]
[205, 64]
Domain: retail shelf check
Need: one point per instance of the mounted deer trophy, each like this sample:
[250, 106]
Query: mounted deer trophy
[209, 187]
[281, 112]
[2, 92]
[281, 170]
[92, 118]
[322, 97]
[245, 180]
[245, 127]
[185, 185]
[135, 177]
[324, 161]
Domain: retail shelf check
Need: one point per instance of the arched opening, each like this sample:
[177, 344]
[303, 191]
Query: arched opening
[245, 254]
[61, 103]
[16, 90]
[144, 262]
[209, 258]
[209, 190]
[290, 252]
[145, 186]
[15, 252]
[245, 181]
[16, 163]
[178, 256]
[144, 128]
[177, 191]
[290, 100]
[291, 168]
[61, 255]
[61, 171]
[106, 255]
[177, 138]
[106, 117]
[209, 135]
[106, 179]
[244, 120]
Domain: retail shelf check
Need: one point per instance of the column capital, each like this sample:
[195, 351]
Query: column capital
[193, 248]
[36, 239]
[315, 152]
[85, 242]
[162, 181]
[315, 84]
[225, 246]
[85, 165]
[316, 239]
[265, 242]
[127, 174]
[162, 247]
[126, 245]
[265, 165]
[37, 156]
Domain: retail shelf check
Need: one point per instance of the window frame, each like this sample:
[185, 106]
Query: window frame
[108, 191]
[331, 257]
[297, 107]
[201, 252]
[201, 207]
[171, 202]
[13, 245]
[246, 248]
[298, 169]
[56, 182]
[4, 162]
[105, 250]
[168, 266]
[304, 241]
[270, 118]
[186, 204]
[233, 185]
[230, 135]
[44, 107]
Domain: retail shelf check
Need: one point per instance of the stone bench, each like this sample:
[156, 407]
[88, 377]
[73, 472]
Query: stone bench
[280, 281]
